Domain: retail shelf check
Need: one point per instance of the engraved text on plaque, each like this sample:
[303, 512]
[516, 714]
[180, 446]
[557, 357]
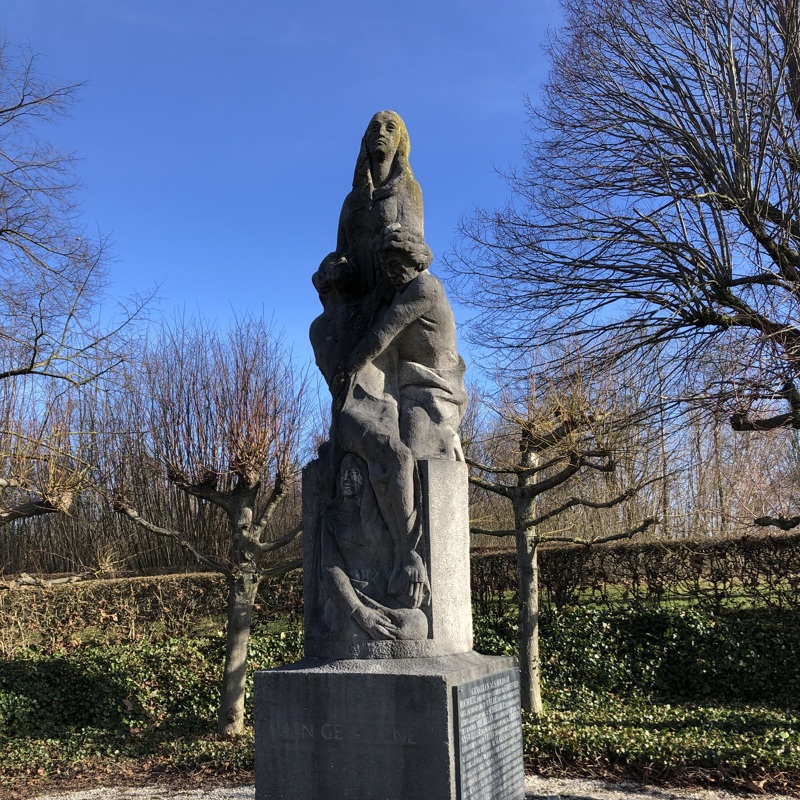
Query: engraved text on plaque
[489, 736]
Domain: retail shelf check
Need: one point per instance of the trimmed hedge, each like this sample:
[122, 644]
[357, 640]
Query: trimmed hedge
[759, 570]
[125, 609]
[749, 571]
[680, 655]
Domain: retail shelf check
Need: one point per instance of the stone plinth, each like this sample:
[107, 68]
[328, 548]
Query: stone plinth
[445, 512]
[445, 728]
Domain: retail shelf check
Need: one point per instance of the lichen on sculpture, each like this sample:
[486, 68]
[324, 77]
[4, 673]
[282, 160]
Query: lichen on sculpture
[386, 346]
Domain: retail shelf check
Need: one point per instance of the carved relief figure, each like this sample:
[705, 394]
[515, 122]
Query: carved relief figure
[356, 559]
[365, 422]
[418, 327]
[386, 345]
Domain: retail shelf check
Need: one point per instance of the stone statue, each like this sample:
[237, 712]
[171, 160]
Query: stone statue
[389, 700]
[385, 193]
[386, 345]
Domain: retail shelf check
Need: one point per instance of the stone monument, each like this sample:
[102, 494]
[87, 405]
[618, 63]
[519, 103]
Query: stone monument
[390, 701]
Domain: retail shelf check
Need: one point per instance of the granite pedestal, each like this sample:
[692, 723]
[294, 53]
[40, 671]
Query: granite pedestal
[445, 728]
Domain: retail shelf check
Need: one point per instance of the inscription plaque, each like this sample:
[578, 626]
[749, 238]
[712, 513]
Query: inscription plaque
[349, 733]
[489, 738]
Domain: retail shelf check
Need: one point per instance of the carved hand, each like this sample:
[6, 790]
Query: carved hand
[375, 623]
[409, 582]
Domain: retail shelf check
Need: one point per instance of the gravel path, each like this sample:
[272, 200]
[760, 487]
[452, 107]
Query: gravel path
[536, 789]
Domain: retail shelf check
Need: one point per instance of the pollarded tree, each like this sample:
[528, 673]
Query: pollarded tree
[547, 454]
[52, 275]
[659, 199]
[41, 461]
[221, 416]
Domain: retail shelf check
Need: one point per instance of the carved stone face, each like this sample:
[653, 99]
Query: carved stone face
[383, 135]
[335, 271]
[399, 272]
[350, 479]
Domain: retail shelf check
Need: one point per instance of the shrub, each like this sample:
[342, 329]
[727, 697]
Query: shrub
[666, 654]
[155, 700]
[713, 573]
[130, 609]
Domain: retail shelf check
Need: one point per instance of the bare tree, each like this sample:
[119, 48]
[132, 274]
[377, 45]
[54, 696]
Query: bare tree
[52, 275]
[659, 200]
[222, 417]
[41, 470]
[544, 455]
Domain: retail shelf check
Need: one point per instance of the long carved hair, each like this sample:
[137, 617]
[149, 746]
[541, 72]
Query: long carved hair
[401, 169]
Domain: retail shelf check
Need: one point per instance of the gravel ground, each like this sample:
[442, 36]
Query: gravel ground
[536, 789]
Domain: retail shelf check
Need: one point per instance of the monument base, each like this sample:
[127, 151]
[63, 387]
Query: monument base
[444, 728]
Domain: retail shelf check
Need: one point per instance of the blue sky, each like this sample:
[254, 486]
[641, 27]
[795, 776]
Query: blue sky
[218, 139]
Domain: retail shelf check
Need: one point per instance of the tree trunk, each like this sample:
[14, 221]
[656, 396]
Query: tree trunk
[528, 636]
[241, 597]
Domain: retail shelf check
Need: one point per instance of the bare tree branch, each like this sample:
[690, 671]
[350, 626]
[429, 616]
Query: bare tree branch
[496, 488]
[517, 469]
[268, 547]
[562, 476]
[281, 569]
[279, 490]
[586, 503]
[479, 529]
[122, 507]
[204, 489]
[784, 523]
[614, 537]
[33, 508]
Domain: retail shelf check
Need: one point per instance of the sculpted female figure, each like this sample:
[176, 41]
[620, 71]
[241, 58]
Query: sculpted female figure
[385, 193]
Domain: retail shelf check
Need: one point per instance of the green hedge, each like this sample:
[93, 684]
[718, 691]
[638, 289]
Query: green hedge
[676, 655]
[759, 570]
[665, 693]
[748, 656]
[172, 684]
[91, 704]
